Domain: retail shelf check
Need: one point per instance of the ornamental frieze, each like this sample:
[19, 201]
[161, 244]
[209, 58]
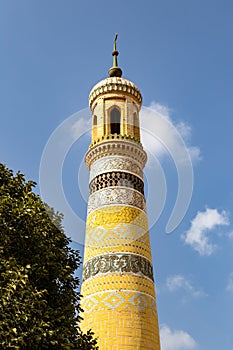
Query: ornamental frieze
[114, 163]
[109, 217]
[125, 263]
[115, 179]
[115, 196]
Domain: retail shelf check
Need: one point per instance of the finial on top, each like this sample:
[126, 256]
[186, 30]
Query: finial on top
[115, 40]
[115, 71]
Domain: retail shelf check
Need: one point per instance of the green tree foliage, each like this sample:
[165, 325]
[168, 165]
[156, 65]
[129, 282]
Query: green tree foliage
[39, 302]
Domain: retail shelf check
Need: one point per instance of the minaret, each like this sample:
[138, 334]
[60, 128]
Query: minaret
[118, 284]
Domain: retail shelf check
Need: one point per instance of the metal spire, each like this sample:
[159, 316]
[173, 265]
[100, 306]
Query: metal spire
[115, 71]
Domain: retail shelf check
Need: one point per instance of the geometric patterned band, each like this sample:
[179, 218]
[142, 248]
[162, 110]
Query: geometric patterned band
[116, 178]
[110, 196]
[124, 262]
[115, 163]
[120, 300]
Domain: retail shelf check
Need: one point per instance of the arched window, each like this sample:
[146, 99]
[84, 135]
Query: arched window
[95, 120]
[115, 120]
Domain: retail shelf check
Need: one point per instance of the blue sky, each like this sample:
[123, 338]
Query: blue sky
[180, 54]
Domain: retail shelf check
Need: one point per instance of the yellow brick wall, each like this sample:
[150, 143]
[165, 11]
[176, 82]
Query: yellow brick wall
[122, 329]
[118, 281]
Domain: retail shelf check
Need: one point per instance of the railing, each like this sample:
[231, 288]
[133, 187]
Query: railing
[114, 137]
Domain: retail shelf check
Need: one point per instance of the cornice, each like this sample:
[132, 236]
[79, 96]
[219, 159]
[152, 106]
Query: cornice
[116, 147]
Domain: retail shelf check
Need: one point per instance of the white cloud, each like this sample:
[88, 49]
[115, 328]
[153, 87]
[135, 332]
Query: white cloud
[229, 287]
[162, 137]
[204, 221]
[80, 127]
[175, 340]
[177, 282]
[166, 135]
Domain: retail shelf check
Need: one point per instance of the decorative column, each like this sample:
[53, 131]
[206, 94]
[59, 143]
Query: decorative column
[118, 285]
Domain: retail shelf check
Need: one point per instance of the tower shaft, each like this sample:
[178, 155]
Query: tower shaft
[118, 291]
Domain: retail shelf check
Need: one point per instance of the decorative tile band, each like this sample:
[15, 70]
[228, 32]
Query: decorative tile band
[109, 217]
[122, 231]
[125, 263]
[116, 196]
[119, 300]
[112, 179]
[115, 163]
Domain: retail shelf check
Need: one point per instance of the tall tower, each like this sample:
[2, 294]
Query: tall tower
[118, 285]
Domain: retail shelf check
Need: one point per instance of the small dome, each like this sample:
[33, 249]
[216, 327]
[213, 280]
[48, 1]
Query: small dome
[115, 84]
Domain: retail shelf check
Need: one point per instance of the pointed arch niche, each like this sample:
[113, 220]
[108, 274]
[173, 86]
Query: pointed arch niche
[115, 120]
